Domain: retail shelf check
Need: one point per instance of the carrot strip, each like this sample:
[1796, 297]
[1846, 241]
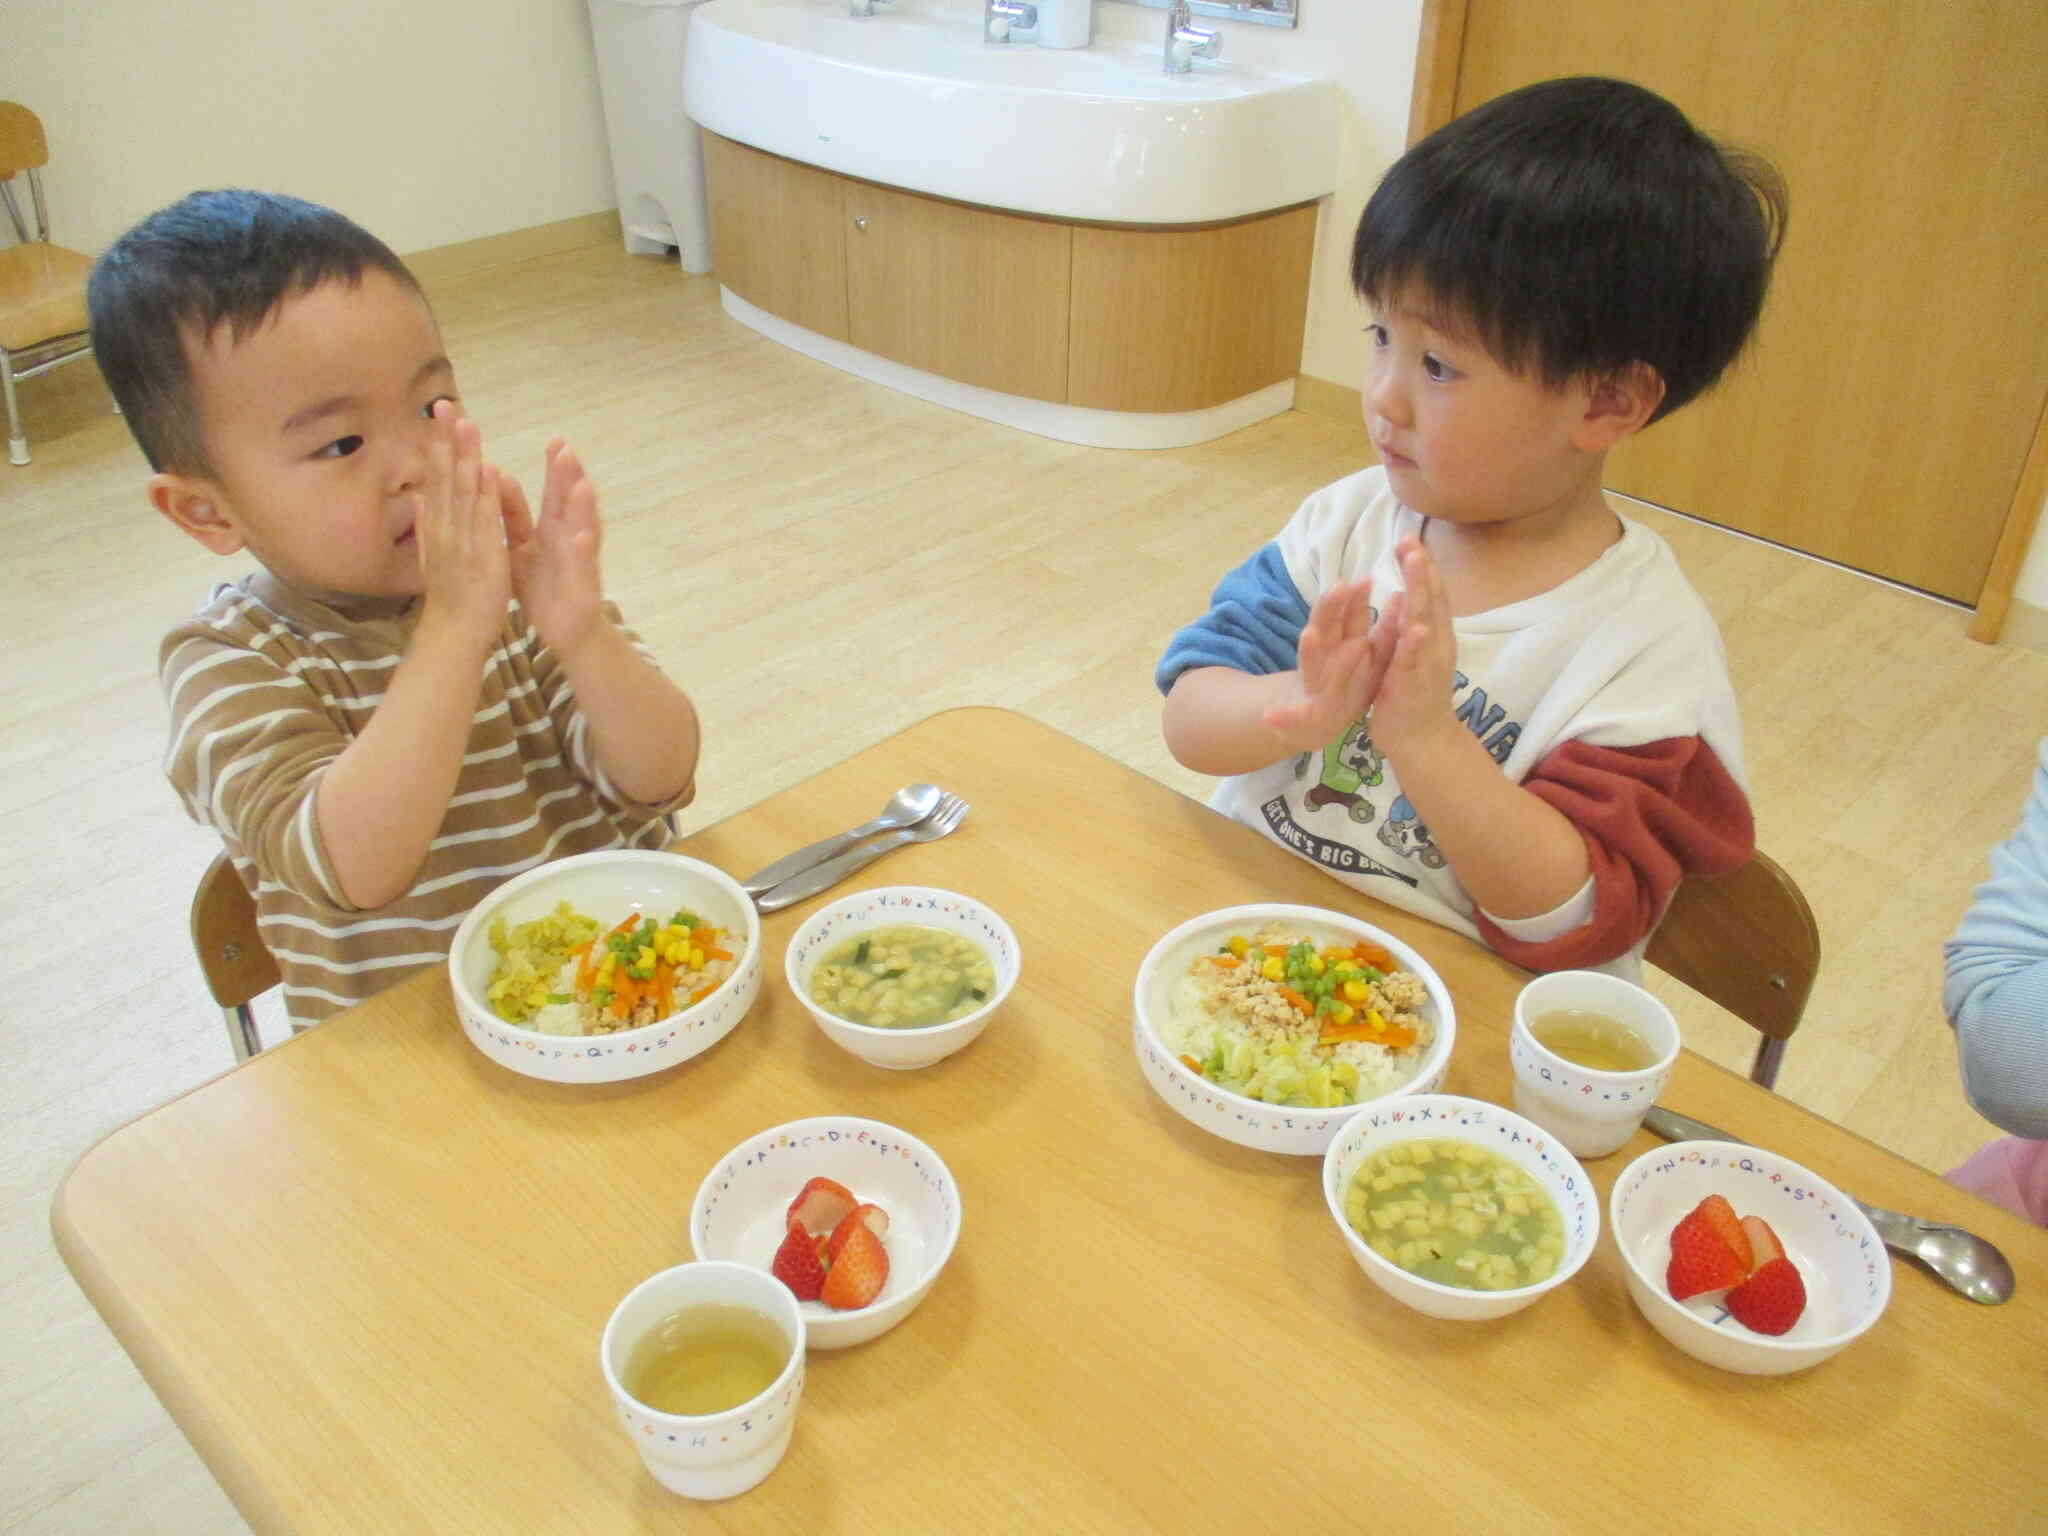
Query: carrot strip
[1373, 955]
[712, 952]
[1190, 1063]
[1299, 1003]
[665, 988]
[701, 993]
[1224, 962]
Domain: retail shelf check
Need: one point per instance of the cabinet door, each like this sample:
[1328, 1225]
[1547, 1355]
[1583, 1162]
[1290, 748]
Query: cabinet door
[1183, 319]
[971, 294]
[777, 234]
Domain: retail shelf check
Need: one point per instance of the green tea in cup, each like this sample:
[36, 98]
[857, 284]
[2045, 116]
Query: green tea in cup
[706, 1359]
[1593, 1040]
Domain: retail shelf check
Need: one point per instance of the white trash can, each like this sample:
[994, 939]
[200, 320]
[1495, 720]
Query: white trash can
[657, 164]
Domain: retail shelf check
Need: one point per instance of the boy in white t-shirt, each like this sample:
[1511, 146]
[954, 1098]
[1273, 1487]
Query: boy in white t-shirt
[1459, 681]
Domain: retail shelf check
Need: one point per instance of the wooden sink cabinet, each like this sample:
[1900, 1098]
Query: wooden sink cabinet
[1116, 317]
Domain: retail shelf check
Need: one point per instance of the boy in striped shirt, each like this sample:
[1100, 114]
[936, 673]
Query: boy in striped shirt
[423, 690]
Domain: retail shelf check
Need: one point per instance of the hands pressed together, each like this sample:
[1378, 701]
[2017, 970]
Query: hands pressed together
[481, 545]
[1399, 667]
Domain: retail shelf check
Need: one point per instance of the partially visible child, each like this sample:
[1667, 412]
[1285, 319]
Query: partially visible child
[423, 690]
[1996, 996]
[1459, 681]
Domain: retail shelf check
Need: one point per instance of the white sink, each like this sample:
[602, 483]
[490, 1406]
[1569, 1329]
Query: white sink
[912, 97]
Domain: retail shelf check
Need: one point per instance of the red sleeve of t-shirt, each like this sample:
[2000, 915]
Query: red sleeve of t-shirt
[1650, 815]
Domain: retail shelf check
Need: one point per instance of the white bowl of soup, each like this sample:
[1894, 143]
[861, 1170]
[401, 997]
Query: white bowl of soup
[1459, 1208]
[904, 975]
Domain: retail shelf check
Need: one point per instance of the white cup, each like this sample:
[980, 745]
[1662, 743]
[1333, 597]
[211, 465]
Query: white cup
[1590, 1111]
[712, 1455]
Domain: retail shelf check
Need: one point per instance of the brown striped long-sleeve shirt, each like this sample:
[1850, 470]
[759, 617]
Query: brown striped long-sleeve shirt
[266, 687]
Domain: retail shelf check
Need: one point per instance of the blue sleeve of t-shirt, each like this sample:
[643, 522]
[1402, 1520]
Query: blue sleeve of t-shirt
[1253, 624]
[1996, 988]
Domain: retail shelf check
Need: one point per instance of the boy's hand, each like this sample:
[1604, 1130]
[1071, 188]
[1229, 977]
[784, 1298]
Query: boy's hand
[461, 530]
[1414, 702]
[555, 570]
[1342, 659]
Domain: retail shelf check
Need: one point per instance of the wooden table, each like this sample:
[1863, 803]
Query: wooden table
[367, 1270]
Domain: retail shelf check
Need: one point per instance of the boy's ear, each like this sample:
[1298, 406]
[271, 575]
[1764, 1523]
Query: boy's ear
[1619, 404]
[197, 507]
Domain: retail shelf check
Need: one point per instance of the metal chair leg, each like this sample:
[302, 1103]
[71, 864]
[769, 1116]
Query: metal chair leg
[1763, 1070]
[242, 1035]
[17, 440]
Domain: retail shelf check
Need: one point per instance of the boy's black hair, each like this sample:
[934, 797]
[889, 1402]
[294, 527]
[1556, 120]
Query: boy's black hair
[209, 259]
[1576, 227]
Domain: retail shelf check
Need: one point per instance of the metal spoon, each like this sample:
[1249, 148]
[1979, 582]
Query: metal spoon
[906, 808]
[1963, 1260]
[951, 812]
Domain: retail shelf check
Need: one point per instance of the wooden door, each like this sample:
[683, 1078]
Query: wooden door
[777, 234]
[968, 293]
[1885, 411]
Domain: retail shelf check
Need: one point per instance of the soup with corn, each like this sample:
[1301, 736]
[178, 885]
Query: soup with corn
[1454, 1212]
[906, 976]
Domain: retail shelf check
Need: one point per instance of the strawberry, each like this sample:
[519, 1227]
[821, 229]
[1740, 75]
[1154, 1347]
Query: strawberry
[820, 1206]
[1763, 1243]
[1702, 1257]
[859, 1272]
[873, 1217]
[1720, 1215]
[1770, 1300]
[799, 1265]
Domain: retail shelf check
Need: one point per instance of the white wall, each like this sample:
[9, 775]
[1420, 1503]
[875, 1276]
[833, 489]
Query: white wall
[428, 122]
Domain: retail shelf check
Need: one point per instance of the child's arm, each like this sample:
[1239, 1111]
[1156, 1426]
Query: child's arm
[382, 800]
[643, 729]
[1221, 721]
[1516, 855]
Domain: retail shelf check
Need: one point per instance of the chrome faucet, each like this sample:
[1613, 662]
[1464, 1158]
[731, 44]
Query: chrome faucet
[865, 7]
[1185, 40]
[1000, 17]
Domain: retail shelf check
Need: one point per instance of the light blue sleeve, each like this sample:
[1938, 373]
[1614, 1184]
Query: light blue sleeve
[1996, 991]
[1253, 624]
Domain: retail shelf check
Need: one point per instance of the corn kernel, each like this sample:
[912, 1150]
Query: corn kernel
[1273, 969]
[1344, 1013]
[1356, 991]
[1373, 1019]
[696, 958]
[1238, 945]
[1315, 965]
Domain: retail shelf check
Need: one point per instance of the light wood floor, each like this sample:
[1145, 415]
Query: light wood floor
[820, 562]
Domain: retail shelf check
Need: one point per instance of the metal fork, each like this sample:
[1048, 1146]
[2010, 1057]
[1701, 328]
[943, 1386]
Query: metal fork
[951, 811]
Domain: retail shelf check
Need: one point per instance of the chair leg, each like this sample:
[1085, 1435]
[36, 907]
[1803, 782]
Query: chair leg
[1763, 1071]
[17, 440]
[242, 1035]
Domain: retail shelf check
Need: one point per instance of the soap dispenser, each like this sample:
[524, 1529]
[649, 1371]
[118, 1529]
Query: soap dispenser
[1065, 23]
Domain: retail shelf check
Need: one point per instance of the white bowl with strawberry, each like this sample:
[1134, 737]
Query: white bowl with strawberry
[1745, 1260]
[855, 1216]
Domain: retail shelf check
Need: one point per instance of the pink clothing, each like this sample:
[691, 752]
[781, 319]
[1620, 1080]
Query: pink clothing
[2011, 1172]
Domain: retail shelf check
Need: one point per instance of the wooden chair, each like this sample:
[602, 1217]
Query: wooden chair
[238, 965]
[42, 286]
[1748, 942]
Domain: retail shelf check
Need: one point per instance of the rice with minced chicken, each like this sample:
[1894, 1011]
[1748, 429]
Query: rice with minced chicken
[1281, 1018]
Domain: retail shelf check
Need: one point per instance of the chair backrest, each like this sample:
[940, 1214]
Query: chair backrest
[23, 147]
[22, 144]
[1746, 941]
[231, 952]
